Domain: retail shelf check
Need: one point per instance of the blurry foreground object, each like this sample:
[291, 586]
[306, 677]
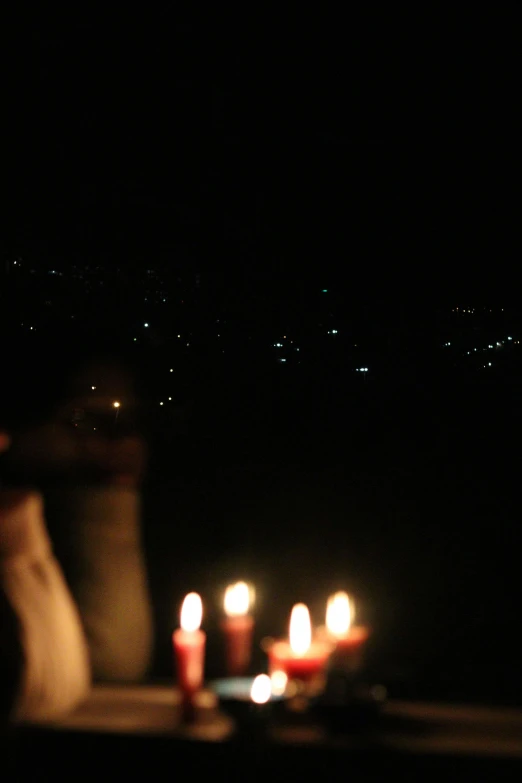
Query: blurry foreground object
[98, 531]
[53, 665]
[89, 466]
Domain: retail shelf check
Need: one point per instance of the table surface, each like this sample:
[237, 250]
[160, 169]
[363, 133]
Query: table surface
[407, 727]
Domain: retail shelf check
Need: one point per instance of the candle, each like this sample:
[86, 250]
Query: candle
[189, 649]
[349, 640]
[300, 658]
[238, 628]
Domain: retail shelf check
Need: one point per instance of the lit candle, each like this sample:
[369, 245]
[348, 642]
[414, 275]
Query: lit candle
[349, 640]
[189, 649]
[300, 658]
[238, 628]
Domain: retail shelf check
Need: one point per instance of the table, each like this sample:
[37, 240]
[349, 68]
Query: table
[138, 728]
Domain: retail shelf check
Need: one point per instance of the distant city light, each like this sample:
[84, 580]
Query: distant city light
[116, 404]
[93, 388]
[489, 364]
[179, 336]
[510, 338]
[171, 369]
[325, 290]
[282, 360]
[170, 399]
[135, 339]
[278, 345]
[161, 403]
[145, 325]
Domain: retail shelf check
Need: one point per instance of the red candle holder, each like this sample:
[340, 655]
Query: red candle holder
[304, 667]
[302, 659]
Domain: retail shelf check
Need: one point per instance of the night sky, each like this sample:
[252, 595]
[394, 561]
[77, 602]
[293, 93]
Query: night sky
[268, 150]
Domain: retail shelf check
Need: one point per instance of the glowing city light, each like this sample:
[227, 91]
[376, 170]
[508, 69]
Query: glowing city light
[145, 325]
[116, 404]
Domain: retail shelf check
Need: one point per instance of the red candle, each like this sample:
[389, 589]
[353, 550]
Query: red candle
[349, 640]
[238, 628]
[299, 658]
[189, 649]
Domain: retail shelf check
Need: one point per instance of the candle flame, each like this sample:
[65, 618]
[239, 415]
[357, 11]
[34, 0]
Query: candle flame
[279, 681]
[191, 612]
[261, 689]
[339, 614]
[300, 629]
[237, 599]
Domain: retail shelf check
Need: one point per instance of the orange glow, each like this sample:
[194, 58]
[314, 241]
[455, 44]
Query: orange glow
[116, 404]
[339, 614]
[237, 599]
[300, 630]
[261, 689]
[191, 612]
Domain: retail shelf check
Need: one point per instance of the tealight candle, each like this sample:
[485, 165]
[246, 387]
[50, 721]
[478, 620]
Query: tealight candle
[238, 629]
[300, 658]
[189, 649]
